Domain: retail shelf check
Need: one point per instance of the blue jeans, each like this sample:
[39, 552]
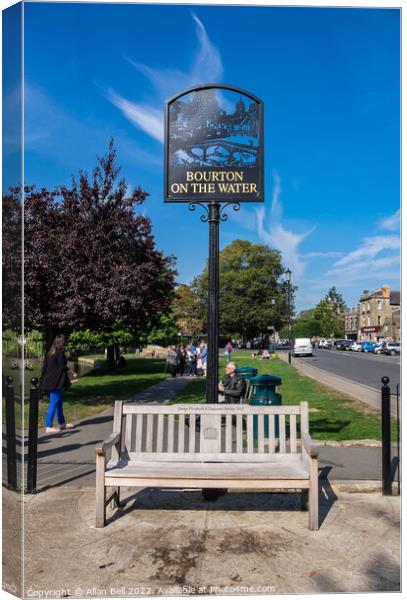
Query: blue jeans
[55, 406]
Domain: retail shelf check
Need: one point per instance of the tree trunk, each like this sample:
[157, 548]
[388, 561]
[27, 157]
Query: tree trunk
[117, 351]
[110, 358]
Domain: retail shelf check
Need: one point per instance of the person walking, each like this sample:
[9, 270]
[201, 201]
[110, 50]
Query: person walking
[204, 357]
[172, 361]
[54, 381]
[181, 359]
[192, 360]
[228, 351]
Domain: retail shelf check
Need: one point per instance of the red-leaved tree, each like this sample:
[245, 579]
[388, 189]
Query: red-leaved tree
[90, 259]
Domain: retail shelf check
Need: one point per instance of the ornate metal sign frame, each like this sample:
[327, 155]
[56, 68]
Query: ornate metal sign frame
[196, 183]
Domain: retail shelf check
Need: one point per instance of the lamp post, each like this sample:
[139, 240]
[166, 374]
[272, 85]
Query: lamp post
[287, 273]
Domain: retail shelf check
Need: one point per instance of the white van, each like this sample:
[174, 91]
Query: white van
[302, 347]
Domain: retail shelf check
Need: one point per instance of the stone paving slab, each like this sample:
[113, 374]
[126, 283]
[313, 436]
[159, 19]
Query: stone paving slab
[172, 542]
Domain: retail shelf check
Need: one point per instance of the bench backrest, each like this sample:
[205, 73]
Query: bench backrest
[204, 432]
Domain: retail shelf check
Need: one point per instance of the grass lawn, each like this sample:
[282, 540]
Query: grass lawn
[96, 391]
[333, 416]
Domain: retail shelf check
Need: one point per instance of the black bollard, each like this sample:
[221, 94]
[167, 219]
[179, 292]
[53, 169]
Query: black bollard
[33, 436]
[11, 434]
[386, 438]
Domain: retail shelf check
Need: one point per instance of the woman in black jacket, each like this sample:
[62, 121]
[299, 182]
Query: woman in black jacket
[55, 379]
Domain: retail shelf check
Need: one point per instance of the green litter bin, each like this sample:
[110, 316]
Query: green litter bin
[247, 372]
[265, 395]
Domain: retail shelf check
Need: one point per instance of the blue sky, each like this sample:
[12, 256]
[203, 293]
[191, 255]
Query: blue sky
[329, 79]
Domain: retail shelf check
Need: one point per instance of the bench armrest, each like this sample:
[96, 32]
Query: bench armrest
[111, 441]
[309, 446]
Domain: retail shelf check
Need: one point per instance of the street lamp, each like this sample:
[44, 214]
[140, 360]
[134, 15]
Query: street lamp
[287, 273]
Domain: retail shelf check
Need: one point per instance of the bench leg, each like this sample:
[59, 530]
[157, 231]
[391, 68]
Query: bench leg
[118, 496]
[100, 491]
[304, 499]
[313, 495]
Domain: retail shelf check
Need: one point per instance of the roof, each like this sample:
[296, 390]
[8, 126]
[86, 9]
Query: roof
[395, 298]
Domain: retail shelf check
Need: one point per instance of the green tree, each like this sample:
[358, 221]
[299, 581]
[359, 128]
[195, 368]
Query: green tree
[330, 312]
[163, 334]
[250, 296]
[189, 311]
[305, 325]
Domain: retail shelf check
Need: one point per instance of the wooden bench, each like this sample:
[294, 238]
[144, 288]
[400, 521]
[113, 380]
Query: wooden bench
[168, 446]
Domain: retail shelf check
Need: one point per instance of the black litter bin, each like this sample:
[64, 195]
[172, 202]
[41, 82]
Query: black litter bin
[265, 395]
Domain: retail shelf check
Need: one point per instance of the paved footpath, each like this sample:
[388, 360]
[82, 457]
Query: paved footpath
[69, 457]
[173, 542]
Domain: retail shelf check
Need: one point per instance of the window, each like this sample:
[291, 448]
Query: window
[379, 305]
[378, 319]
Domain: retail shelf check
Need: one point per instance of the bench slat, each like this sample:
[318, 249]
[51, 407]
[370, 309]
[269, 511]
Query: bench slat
[199, 483]
[149, 433]
[160, 433]
[293, 434]
[220, 457]
[117, 425]
[139, 432]
[192, 433]
[260, 437]
[129, 428]
[249, 429]
[210, 409]
[170, 434]
[181, 433]
[228, 434]
[272, 434]
[282, 434]
[239, 434]
[277, 470]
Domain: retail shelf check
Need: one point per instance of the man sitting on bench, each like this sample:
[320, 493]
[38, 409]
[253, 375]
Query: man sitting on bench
[233, 385]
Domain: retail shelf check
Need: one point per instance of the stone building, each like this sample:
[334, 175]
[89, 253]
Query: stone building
[352, 323]
[377, 316]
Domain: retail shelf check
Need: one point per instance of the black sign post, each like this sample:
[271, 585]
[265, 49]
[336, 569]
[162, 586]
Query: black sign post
[214, 157]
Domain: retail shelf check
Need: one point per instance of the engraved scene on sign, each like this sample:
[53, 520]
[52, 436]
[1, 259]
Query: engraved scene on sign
[211, 128]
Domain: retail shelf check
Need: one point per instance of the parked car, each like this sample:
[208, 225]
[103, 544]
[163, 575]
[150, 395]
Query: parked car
[302, 347]
[393, 348]
[369, 346]
[327, 344]
[380, 348]
[343, 344]
[356, 347]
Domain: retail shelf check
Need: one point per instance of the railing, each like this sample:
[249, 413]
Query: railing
[11, 435]
[390, 465]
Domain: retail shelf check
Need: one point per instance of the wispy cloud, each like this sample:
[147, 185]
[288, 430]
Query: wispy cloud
[391, 223]
[323, 254]
[145, 117]
[47, 123]
[370, 265]
[271, 230]
[206, 68]
[371, 247]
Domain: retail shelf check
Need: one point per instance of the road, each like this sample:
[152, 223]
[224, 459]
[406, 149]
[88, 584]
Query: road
[365, 368]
